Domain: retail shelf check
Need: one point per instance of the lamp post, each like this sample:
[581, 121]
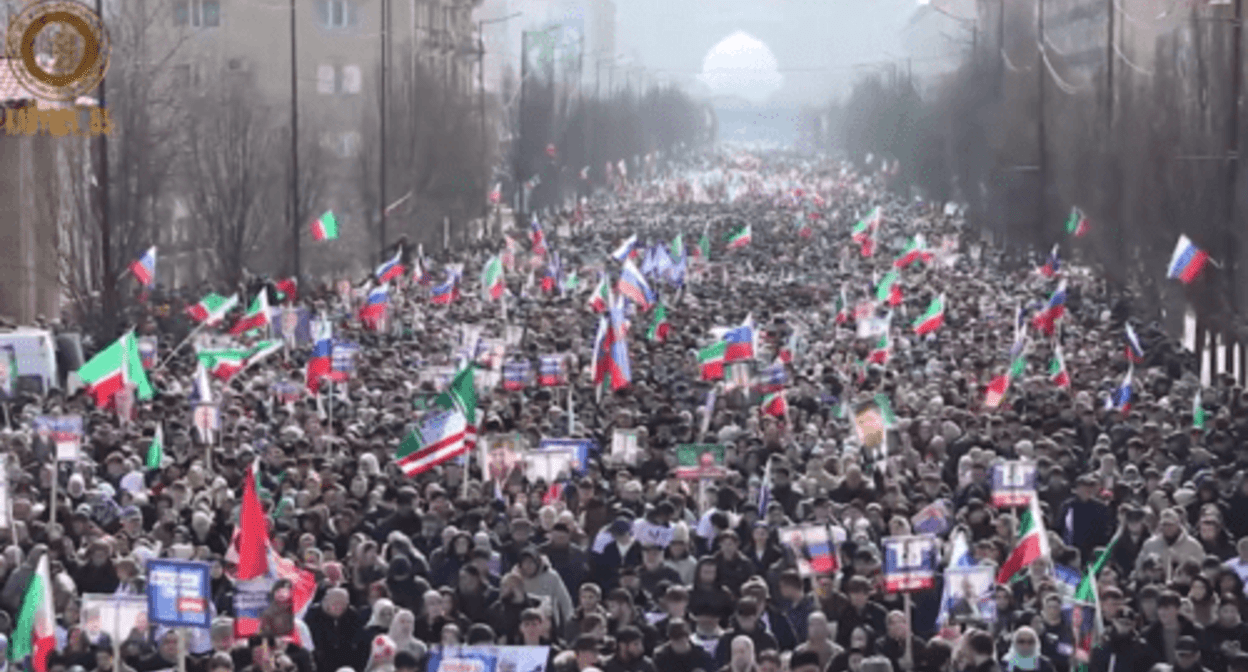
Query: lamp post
[481, 72]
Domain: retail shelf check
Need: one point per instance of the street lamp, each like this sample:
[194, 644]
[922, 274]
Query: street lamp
[481, 70]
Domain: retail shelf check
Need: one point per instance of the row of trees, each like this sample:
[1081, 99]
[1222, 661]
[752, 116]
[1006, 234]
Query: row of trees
[592, 132]
[213, 155]
[1145, 150]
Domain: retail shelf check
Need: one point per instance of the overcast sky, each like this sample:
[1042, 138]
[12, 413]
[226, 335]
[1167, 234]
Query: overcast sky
[817, 43]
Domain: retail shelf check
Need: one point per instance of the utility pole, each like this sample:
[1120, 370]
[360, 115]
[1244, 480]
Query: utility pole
[106, 229]
[1232, 169]
[385, 52]
[481, 87]
[1042, 73]
[294, 144]
[1110, 61]
[518, 143]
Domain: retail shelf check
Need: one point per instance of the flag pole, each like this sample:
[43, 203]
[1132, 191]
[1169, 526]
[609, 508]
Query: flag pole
[184, 341]
[52, 508]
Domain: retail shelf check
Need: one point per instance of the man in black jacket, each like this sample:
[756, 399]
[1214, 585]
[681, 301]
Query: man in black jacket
[679, 654]
[748, 623]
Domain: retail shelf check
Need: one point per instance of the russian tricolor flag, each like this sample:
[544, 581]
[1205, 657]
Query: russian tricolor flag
[445, 293]
[1054, 264]
[391, 269]
[538, 237]
[321, 362]
[144, 268]
[375, 307]
[1187, 261]
[1046, 319]
[621, 253]
[1135, 351]
[634, 286]
[740, 342]
[1121, 398]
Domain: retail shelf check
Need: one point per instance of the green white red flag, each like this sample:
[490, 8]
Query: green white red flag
[1033, 543]
[34, 635]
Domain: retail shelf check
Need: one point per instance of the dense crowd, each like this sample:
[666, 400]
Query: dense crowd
[408, 566]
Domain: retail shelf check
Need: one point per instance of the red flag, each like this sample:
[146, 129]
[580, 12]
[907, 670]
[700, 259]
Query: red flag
[253, 537]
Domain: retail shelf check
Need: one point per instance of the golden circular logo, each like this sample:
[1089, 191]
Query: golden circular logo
[58, 49]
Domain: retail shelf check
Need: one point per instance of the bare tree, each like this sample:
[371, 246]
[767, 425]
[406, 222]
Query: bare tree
[143, 114]
[228, 149]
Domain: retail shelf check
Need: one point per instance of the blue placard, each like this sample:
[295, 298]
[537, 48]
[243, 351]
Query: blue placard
[178, 593]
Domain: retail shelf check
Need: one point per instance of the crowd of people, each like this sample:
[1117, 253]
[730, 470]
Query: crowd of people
[406, 568]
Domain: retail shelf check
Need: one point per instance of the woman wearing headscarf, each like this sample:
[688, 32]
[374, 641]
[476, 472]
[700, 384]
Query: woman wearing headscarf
[382, 657]
[445, 569]
[406, 589]
[1024, 653]
[378, 621]
[402, 633]
[743, 658]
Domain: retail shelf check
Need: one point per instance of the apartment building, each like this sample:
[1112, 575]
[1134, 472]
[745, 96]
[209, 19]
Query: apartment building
[337, 57]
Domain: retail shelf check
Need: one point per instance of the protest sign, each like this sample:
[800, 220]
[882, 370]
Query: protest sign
[624, 446]
[488, 659]
[504, 452]
[578, 449]
[147, 351]
[813, 548]
[1013, 484]
[701, 460]
[968, 596]
[114, 615]
[909, 563]
[178, 593]
[62, 432]
[207, 421]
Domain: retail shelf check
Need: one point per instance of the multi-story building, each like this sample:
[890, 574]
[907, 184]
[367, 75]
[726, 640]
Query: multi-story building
[336, 59]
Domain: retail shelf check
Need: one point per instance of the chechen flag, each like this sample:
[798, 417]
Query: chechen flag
[601, 298]
[1033, 543]
[144, 268]
[257, 315]
[915, 250]
[1187, 261]
[775, 405]
[34, 635]
[1057, 369]
[740, 238]
[212, 308]
[112, 369]
[440, 438]
[932, 319]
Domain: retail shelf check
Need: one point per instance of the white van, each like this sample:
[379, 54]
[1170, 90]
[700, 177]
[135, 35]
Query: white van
[34, 352]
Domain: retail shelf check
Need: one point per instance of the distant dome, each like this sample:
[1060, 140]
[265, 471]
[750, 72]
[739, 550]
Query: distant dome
[741, 65]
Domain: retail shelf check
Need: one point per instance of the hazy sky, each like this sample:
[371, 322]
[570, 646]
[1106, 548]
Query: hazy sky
[817, 43]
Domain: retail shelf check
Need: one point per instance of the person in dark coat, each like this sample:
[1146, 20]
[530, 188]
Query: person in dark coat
[1162, 637]
[334, 624]
[569, 560]
[748, 622]
[1086, 522]
[622, 550]
[1122, 647]
[679, 654]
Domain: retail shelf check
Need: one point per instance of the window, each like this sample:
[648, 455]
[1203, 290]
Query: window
[351, 79]
[336, 13]
[326, 80]
[349, 144]
[197, 13]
